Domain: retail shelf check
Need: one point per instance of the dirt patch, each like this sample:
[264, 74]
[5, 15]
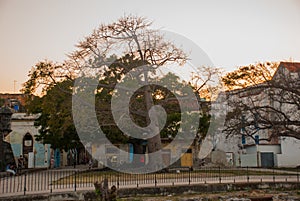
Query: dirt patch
[254, 195]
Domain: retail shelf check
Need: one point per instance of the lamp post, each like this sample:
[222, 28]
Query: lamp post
[5, 120]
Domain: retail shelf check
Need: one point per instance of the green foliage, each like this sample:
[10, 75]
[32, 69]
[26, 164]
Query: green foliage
[41, 75]
[204, 124]
[98, 192]
[2, 101]
[55, 121]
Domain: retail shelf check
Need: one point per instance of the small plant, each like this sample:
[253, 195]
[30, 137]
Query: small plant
[98, 192]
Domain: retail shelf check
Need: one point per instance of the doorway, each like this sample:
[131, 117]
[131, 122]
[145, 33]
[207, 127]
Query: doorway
[27, 147]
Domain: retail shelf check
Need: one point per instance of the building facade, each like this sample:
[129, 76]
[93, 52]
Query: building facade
[23, 143]
[267, 112]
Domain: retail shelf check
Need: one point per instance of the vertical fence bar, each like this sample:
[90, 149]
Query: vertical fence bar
[45, 180]
[234, 172]
[90, 178]
[39, 180]
[29, 182]
[7, 180]
[11, 184]
[71, 174]
[2, 184]
[51, 182]
[75, 181]
[189, 176]
[297, 175]
[118, 180]
[25, 175]
[247, 174]
[273, 175]
[14, 186]
[220, 179]
[61, 182]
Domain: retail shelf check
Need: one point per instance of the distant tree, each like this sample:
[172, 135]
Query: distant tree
[250, 75]
[206, 82]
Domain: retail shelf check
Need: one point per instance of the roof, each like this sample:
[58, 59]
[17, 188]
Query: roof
[291, 66]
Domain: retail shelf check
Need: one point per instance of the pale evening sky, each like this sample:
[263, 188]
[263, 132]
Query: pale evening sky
[232, 32]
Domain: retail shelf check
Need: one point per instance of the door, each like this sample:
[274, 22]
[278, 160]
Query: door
[27, 147]
[267, 160]
[187, 159]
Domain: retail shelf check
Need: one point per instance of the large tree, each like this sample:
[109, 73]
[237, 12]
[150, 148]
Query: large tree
[270, 108]
[108, 55]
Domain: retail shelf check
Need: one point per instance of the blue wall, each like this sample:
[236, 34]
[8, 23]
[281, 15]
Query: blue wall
[40, 156]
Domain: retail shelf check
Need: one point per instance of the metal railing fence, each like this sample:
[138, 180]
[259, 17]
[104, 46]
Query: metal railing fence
[50, 181]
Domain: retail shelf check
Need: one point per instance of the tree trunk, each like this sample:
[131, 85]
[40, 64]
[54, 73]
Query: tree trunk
[154, 143]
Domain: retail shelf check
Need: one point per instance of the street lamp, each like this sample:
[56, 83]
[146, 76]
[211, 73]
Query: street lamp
[5, 120]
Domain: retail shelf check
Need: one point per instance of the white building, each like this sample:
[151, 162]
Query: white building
[253, 150]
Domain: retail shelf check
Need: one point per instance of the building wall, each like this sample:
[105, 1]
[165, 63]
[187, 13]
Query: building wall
[290, 153]
[22, 124]
[106, 153]
[251, 150]
[249, 160]
[252, 157]
[19, 97]
[276, 149]
[286, 151]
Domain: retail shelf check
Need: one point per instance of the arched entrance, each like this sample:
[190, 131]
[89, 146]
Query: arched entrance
[27, 147]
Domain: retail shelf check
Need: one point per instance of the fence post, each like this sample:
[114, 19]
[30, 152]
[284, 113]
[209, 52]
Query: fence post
[297, 175]
[189, 176]
[273, 175]
[118, 181]
[25, 176]
[51, 182]
[247, 174]
[220, 179]
[155, 179]
[75, 181]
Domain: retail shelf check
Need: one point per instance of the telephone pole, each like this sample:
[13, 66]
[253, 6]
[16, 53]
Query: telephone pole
[15, 81]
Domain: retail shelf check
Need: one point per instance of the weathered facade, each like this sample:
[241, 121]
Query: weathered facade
[266, 147]
[23, 143]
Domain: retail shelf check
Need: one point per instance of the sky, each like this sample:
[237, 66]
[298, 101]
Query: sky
[232, 33]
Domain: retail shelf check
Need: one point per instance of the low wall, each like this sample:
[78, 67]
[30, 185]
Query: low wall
[174, 190]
